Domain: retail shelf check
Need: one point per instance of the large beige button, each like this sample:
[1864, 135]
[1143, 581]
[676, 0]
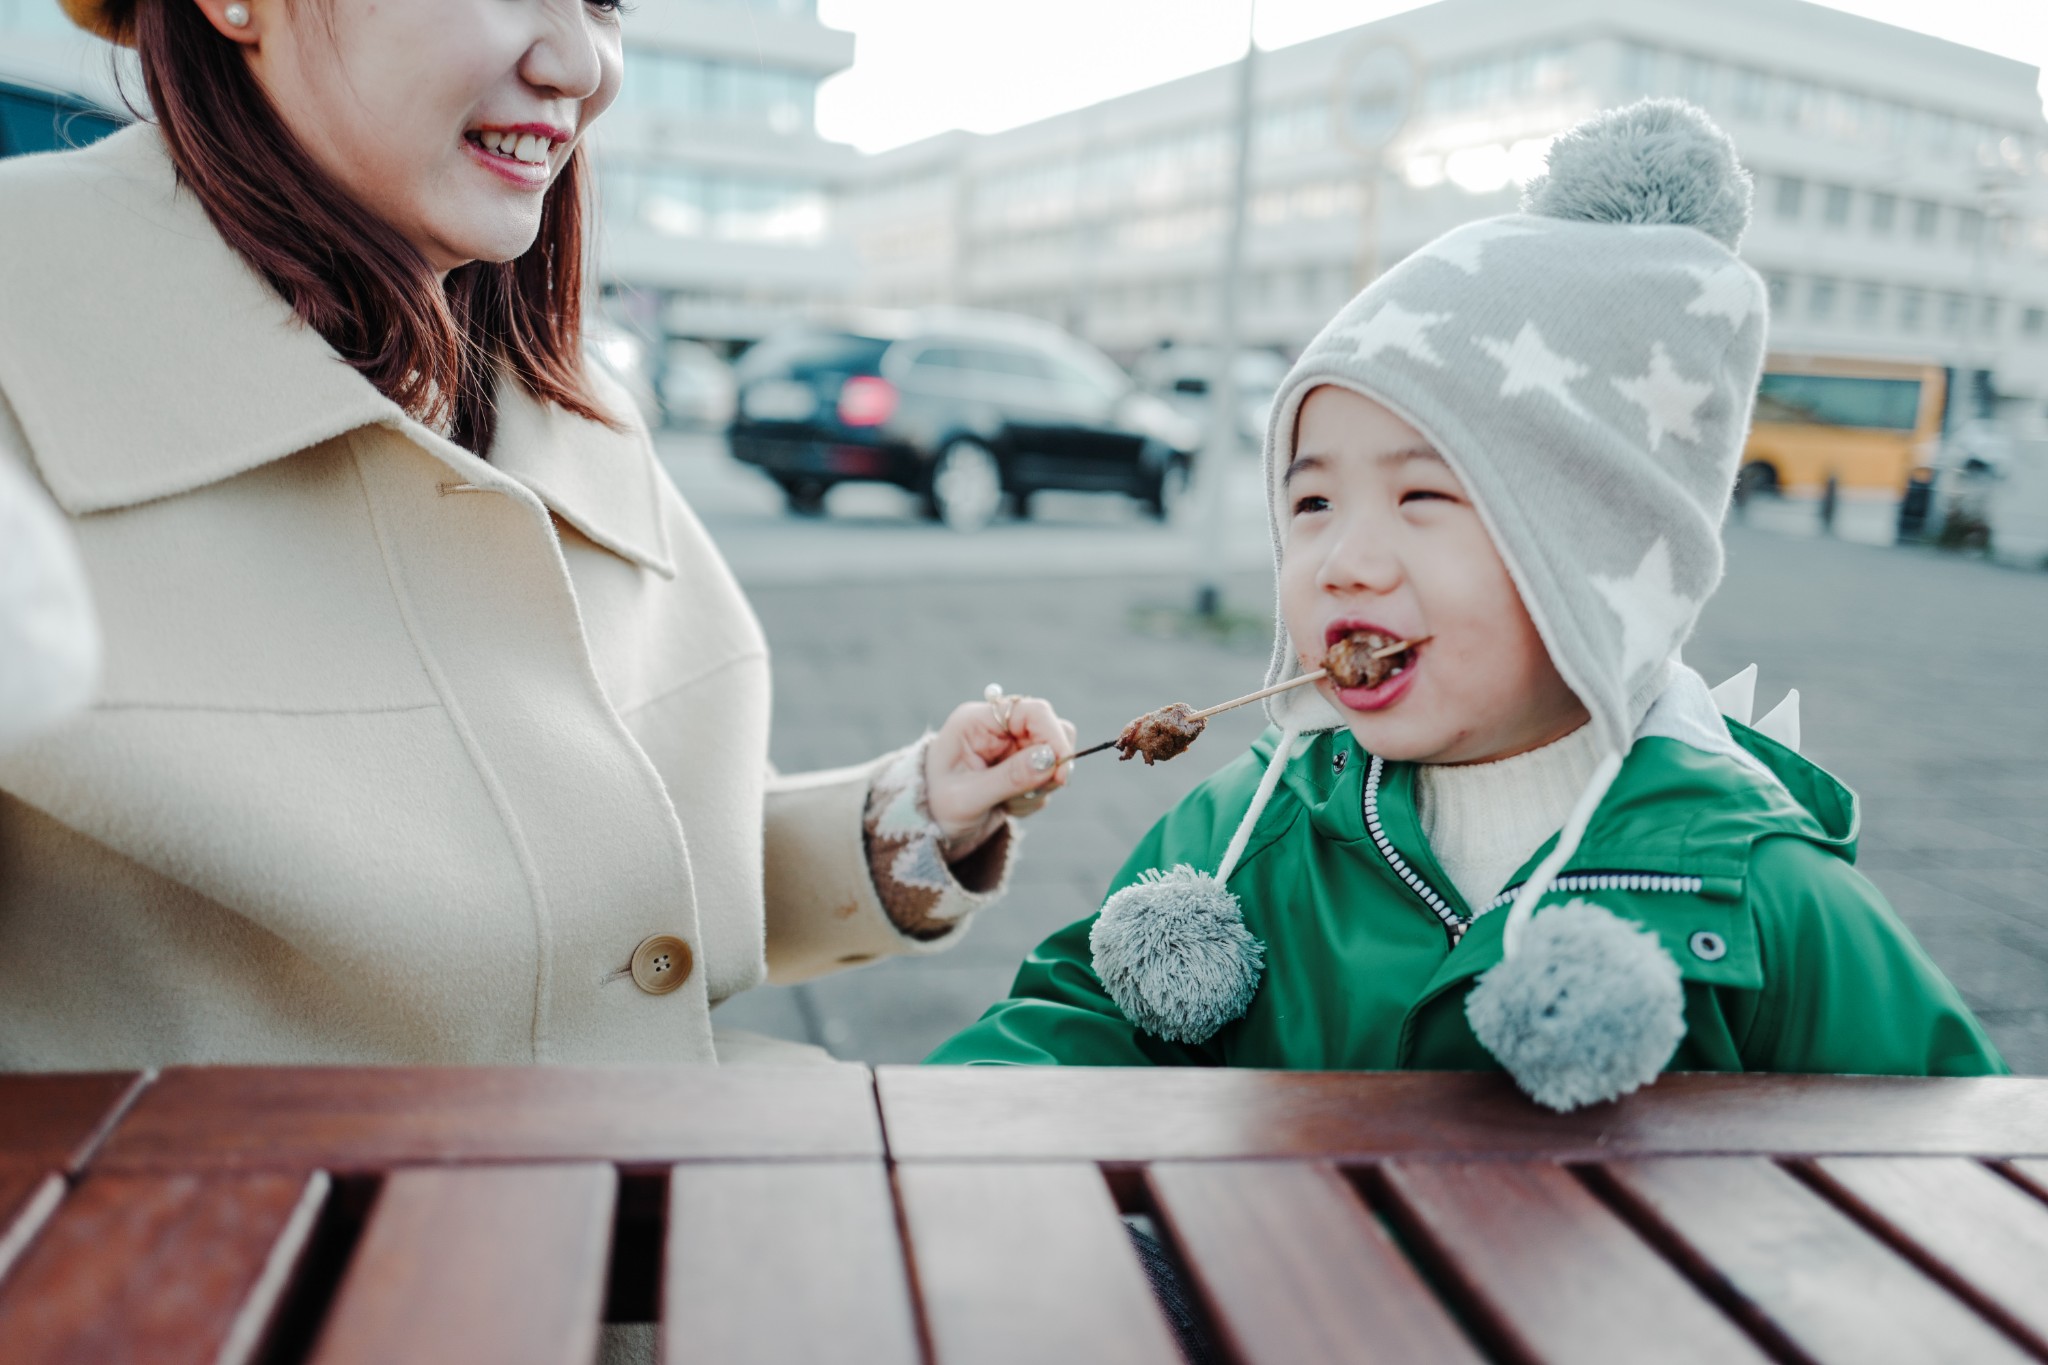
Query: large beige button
[661, 963]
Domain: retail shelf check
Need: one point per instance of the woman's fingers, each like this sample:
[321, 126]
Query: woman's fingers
[977, 762]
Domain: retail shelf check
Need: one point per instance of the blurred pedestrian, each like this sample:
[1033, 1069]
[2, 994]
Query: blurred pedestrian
[434, 729]
[1828, 493]
[49, 646]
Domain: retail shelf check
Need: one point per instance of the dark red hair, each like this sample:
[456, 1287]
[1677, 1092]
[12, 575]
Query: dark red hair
[435, 349]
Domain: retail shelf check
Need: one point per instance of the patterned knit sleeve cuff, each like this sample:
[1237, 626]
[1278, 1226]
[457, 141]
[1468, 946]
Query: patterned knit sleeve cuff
[927, 898]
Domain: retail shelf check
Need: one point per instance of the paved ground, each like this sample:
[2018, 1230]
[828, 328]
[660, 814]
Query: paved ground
[1919, 674]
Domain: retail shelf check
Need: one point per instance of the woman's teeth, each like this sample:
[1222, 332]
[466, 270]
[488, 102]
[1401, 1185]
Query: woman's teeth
[519, 146]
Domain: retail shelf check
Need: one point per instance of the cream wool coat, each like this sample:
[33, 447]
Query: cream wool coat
[399, 753]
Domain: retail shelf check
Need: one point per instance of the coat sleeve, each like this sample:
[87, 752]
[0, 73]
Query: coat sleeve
[854, 871]
[1057, 1012]
[1847, 989]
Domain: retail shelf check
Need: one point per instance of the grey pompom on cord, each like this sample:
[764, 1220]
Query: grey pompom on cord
[1654, 161]
[1172, 949]
[1590, 1008]
[1173, 953]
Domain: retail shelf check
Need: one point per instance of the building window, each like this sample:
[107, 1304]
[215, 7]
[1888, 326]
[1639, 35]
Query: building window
[1791, 197]
[1639, 68]
[1752, 93]
[1869, 304]
[2033, 323]
[1911, 304]
[1926, 219]
[1780, 290]
[1883, 208]
[1969, 228]
[1820, 300]
[1696, 80]
[1835, 207]
[1987, 317]
[1799, 105]
[1953, 309]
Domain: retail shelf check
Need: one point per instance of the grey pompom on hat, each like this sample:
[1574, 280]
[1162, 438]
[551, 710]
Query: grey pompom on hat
[1587, 367]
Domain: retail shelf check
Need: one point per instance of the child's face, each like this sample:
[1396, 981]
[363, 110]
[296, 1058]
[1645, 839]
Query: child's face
[1378, 534]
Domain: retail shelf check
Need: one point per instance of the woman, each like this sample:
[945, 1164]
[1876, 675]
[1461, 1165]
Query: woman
[432, 728]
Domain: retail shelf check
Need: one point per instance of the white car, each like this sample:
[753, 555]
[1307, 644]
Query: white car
[1181, 375]
[696, 386]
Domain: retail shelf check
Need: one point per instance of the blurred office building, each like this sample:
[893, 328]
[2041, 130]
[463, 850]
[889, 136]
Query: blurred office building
[39, 46]
[1901, 219]
[713, 180]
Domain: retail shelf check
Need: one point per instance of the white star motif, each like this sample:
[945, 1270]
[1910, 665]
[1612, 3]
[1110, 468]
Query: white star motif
[1463, 246]
[1652, 609]
[1396, 328]
[1726, 291]
[1533, 367]
[1668, 399]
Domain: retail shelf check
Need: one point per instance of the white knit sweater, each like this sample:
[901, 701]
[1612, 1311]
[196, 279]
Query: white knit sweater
[1483, 820]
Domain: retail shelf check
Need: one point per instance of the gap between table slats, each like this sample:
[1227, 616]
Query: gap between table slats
[785, 1261]
[1024, 1264]
[168, 1269]
[499, 1263]
[1799, 1267]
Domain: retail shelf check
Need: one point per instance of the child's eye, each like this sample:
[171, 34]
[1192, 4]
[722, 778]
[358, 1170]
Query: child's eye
[1312, 503]
[1425, 495]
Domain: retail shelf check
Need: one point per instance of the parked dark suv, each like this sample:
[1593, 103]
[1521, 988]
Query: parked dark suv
[972, 412]
[39, 118]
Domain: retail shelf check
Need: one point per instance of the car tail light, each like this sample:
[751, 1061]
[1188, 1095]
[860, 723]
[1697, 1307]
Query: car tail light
[867, 400]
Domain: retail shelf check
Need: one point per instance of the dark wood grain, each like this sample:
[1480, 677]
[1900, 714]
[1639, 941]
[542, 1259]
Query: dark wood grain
[1296, 1270]
[54, 1120]
[1021, 1265]
[1107, 1114]
[355, 1119]
[1983, 1236]
[1549, 1272]
[1792, 1260]
[785, 1261]
[28, 1196]
[164, 1269]
[504, 1264]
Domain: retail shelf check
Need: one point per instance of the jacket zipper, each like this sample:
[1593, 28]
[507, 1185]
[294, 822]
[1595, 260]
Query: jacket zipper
[1456, 924]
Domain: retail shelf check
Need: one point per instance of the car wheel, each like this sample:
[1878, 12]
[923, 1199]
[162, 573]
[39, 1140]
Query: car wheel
[805, 497]
[966, 489]
[1170, 495]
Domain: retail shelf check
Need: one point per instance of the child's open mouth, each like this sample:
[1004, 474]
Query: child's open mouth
[1370, 667]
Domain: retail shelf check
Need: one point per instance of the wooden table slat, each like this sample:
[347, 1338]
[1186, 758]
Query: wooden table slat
[54, 1120]
[1551, 1271]
[1028, 1264]
[747, 1242]
[1977, 1227]
[499, 1263]
[1173, 1113]
[347, 1119]
[1834, 1291]
[167, 1269]
[1296, 1270]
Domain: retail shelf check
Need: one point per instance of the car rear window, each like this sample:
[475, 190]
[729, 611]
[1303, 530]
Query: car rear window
[802, 355]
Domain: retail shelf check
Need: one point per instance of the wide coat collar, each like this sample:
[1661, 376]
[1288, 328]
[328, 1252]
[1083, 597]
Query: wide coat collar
[144, 359]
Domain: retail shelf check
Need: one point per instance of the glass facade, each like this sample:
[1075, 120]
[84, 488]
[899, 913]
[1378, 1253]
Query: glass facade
[727, 93]
[686, 202]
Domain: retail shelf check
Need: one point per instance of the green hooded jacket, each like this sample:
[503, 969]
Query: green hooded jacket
[1792, 960]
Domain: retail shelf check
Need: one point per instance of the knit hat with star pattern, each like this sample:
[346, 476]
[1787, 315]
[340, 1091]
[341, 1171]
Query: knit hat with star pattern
[1586, 367]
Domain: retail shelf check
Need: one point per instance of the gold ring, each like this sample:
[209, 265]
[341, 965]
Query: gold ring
[1004, 704]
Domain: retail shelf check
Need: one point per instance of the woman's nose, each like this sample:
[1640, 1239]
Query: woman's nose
[565, 59]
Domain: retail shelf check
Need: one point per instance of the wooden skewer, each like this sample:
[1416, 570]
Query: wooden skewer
[1385, 651]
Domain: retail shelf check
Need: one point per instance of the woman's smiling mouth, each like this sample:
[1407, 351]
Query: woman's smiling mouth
[522, 153]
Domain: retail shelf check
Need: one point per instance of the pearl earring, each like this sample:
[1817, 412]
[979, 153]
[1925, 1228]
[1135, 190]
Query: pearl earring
[237, 15]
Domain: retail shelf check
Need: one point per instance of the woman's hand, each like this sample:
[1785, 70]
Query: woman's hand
[988, 753]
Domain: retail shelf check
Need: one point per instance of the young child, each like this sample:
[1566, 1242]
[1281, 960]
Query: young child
[1539, 845]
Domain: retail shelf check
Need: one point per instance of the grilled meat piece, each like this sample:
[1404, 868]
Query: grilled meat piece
[1366, 658]
[1159, 735]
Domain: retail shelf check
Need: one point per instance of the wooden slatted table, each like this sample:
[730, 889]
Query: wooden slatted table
[275, 1216]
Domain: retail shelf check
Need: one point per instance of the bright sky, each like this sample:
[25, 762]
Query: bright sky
[923, 66]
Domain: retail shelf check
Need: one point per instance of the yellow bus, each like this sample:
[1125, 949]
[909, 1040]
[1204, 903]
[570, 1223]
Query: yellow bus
[1867, 423]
